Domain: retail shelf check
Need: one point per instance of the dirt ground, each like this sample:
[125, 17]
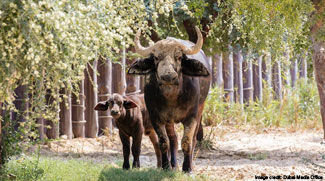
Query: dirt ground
[238, 154]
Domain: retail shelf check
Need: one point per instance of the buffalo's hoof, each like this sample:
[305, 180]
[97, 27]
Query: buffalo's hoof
[126, 166]
[166, 166]
[187, 170]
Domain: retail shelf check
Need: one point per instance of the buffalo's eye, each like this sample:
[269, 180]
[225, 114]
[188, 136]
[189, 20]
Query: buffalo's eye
[110, 103]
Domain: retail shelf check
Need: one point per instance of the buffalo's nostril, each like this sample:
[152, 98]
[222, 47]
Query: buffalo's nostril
[113, 112]
[168, 78]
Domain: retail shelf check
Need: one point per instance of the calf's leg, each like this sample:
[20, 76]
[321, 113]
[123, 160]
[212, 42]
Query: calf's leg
[125, 139]
[154, 140]
[136, 149]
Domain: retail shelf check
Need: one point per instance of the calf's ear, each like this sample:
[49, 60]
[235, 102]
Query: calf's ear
[101, 106]
[143, 66]
[193, 67]
[129, 104]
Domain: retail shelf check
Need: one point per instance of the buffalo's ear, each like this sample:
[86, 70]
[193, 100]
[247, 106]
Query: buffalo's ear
[129, 104]
[193, 67]
[101, 106]
[143, 66]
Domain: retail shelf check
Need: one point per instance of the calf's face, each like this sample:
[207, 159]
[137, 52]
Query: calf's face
[117, 104]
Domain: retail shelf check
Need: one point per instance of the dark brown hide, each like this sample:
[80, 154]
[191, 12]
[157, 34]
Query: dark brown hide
[132, 120]
[172, 101]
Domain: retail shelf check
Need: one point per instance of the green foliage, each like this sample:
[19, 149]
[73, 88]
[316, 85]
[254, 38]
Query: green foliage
[44, 168]
[11, 143]
[299, 108]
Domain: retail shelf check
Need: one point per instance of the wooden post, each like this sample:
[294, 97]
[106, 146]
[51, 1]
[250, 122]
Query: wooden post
[293, 71]
[78, 112]
[41, 129]
[247, 79]
[238, 76]
[217, 79]
[133, 82]
[21, 105]
[91, 100]
[118, 82]
[66, 115]
[266, 61]
[276, 80]
[104, 81]
[53, 131]
[257, 79]
[228, 76]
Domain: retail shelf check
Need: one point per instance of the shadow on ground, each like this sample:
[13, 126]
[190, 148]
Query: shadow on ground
[137, 174]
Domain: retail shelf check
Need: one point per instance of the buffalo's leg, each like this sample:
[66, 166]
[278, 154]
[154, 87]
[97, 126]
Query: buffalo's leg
[154, 139]
[125, 139]
[187, 143]
[136, 149]
[199, 134]
[173, 143]
[163, 143]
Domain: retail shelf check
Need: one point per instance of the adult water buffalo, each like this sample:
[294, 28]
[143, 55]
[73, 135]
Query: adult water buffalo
[178, 84]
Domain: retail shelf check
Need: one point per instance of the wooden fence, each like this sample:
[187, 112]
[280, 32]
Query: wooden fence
[240, 77]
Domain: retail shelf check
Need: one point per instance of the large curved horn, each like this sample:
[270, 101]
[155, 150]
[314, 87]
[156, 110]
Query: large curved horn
[144, 51]
[197, 47]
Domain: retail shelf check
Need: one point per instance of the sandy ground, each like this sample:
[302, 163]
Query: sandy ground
[238, 154]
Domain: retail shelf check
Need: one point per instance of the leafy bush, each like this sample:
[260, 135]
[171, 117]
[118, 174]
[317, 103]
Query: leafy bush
[299, 108]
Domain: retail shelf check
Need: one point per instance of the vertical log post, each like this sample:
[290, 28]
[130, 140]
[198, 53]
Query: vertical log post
[247, 79]
[217, 79]
[276, 80]
[21, 105]
[104, 81]
[66, 115]
[238, 76]
[257, 79]
[91, 100]
[133, 82]
[41, 129]
[78, 112]
[53, 131]
[293, 71]
[228, 77]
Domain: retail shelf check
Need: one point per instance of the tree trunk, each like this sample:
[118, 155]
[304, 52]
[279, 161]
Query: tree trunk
[319, 68]
[247, 79]
[217, 79]
[303, 67]
[293, 72]
[228, 77]
[238, 75]
[104, 81]
[257, 79]
[319, 54]
[91, 100]
[276, 80]
[1, 117]
[78, 112]
[66, 115]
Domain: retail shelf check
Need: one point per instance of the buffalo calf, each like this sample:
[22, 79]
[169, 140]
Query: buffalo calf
[132, 120]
